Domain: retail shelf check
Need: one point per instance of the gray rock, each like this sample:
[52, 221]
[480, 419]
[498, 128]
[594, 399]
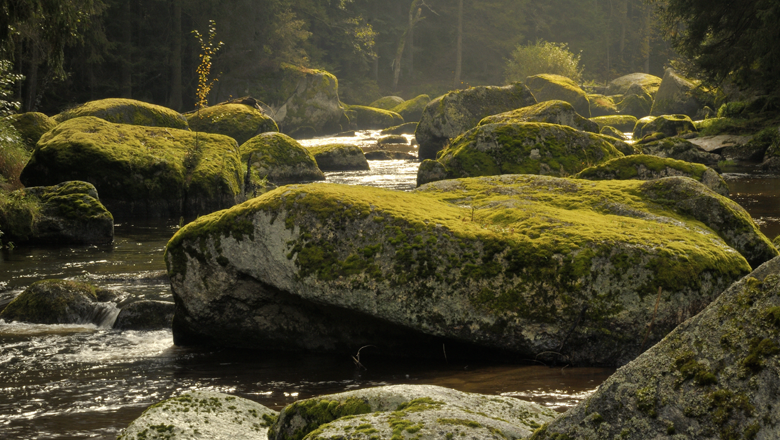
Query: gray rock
[202, 414]
[339, 157]
[715, 376]
[678, 95]
[405, 128]
[638, 131]
[547, 87]
[430, 171]
[612, 132]
[389, 155]
[425, 411]
[636, 102]
[453, 114]
[279, 158]
[551, 112]
[412, 109]
[387, 102]
[314, 107]
[562, 269]
[601, 105]
[369, 118]
[145, 315]
[619, 86]
[667, 126]
[624, 123]
[680, 149]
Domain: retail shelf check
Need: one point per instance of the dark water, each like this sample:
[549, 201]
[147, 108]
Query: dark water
[73, 382]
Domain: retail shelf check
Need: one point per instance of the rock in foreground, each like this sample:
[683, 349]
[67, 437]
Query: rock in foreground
[519, 263]
[715, 376]
[202, 414]
[424, 412]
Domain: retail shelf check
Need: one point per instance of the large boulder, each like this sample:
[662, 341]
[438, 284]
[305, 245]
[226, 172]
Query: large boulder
[547, 87]
[678, 95]
[339, 157]
[428, 412]
[680, 149]
[280, 159]
[67, 213]
[645, 167]
[715, 376]
[145, 315]
[601, 105]
[638, 131]
[667, 126]
[126, 111]
[619, 86]
[387, 102]
[534, 266]
[369, 118]
[202, 414]
[314, 107]
[624, 123]
[237, 120]
[636, 102]
[412, 109]
[453, 114]
[31, 126]
[140, 171]
[612, 132]
[62, 302]
[551, 112]
[523, 148]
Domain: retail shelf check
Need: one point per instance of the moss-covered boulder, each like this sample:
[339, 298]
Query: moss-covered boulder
[67, 213]
[644, 167]
[453, 114]
[612, 132]
[636, 102]
[412, 109]
[31, 126]
[678, 95]
[524, 148]
[430, 171]
[601, 105]
[390, 412]
[624, 123]
[280, 159]
[61, 302]
[369, 118]
[619, 86]
[668, 126]
[314, 107]
[387, 102]
[562, 269]
[201, 414]
[140, 171]
[126, 111]
[547, 87]
[551, 112]
[680, 149]
[239, 121]
[339, 157]
[405, 128]
[392, 139]
[145, 315]
[715, 376]
[638, 131]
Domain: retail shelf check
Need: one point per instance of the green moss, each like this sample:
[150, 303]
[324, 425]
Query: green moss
[315, 413]
[48, 301]
[628, 168]
[31, 126]
[759, 349]
[546, 87]
[19, 213]
[411, 110]
[386, 102]
[551, 112]
[239, 121]
[406, 128]
[368, 118]
[624, 123]
[280, 158]
[460, 422]
[126, 111]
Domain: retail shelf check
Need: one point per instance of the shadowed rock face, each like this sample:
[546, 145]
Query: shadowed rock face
[715, 376]
[517, 263]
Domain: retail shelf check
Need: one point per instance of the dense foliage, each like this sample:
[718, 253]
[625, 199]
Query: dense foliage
[543, 57]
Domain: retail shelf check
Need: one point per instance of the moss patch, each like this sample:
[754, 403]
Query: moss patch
[412, 109]
[239, 121]
[368, 118]
[126, 111]
[31, 126]
[280, 159]
[624, 123]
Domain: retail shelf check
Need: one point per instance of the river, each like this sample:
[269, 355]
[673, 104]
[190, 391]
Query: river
[82, 381]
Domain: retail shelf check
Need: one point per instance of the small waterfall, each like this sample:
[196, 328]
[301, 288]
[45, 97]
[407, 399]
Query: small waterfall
[103, 314]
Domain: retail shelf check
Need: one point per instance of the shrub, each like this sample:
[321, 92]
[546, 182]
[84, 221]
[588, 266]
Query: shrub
[543, 57]
[13, 155]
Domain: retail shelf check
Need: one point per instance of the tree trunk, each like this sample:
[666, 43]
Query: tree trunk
[176, 92]
[32, 78]
[459, 48]
[126, 77]
[399, 53]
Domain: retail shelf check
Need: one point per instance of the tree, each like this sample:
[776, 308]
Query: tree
[543, 57]
[727, 40]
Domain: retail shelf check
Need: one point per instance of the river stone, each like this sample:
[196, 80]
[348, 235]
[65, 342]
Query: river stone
[387, 102]
[644, 167]
[430, 171]
[368, 118]
[389, 155]
[566, 270]
[624, 123]
[202, 414]
[601, 105]
[612, 132]
[339, 157]
[140, 171]
[636, 102]
[280, 159]
[453, 114]
[392, 139]
[145, 315]
[239, 121]
[412, 109]
[638, 132]
[668, 126]
[715, 376]
[314, 107]
[619, 86]
[67, 213]
[126, 111]
[524, 148]
[405, 128]
[678, 95]
[394, 411]
[61, 302]
[548, 87]
[551, 112]
[31, 126]
[680, 149]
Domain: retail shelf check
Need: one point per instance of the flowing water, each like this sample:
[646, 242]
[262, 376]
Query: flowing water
[83, 381]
